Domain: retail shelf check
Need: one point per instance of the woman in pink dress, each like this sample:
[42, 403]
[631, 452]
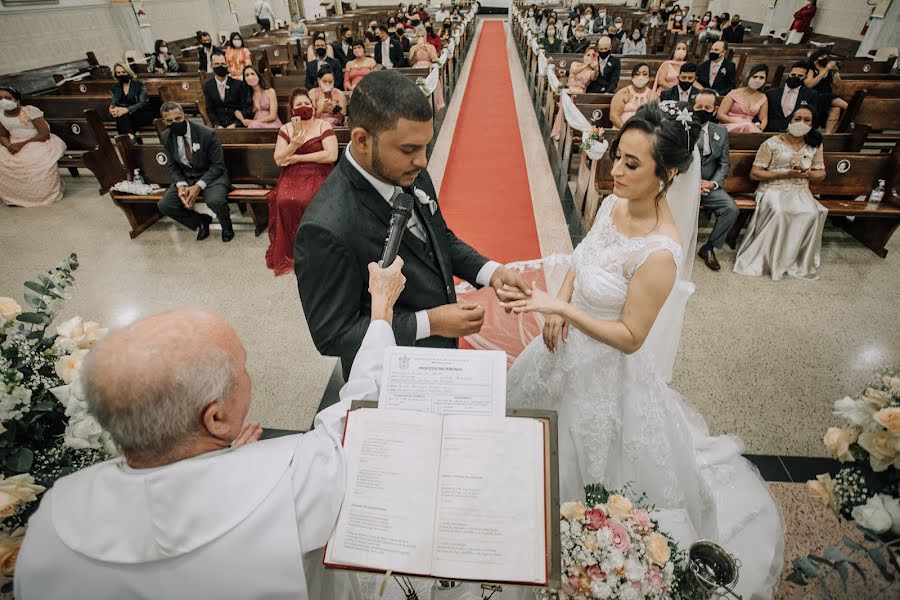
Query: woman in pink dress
[580, 75]
[629, 99]
[667, 76]
[359, 67]
[265, 103]
[330, 104]
[307, 149]
[745, 110]
[421, 56]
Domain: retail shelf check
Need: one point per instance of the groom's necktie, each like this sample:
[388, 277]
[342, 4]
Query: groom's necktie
[413, 224]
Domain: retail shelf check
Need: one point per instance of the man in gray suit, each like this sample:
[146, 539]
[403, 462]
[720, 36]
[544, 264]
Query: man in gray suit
[713, 145]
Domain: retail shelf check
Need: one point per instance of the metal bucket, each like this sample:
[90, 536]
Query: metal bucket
[713, 572]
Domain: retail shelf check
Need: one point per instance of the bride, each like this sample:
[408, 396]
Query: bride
[618, 420]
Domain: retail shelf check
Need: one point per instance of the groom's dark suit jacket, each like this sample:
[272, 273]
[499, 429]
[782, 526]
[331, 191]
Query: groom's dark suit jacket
[344, 230]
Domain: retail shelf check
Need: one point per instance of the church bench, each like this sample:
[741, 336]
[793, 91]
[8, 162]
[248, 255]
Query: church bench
[87, 147]
[44, 79]
[244, 137]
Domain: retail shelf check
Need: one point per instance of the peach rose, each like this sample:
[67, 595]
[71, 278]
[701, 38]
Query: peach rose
[641, 521]
[822, 489]
[9, 551]
[68, 366]
[889, 418]
[838, 439]
[619, 507]
[16, 490]
[875, 397]
[658, 549]
[572, 510]
[882, 448]
[9, 309]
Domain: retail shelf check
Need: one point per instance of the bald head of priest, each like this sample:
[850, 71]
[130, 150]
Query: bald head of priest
[192, 508]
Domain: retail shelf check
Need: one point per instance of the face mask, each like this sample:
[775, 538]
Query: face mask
[794, 81]
[164, 49]
[635, 36]
[124, 78]
[685, 85]
[326, 87]
[7, 104]
[703, 116]
[551, 33]
[251, 80]
[603, 54]
[178, 128]
[220, 70]
[602, 13]
[207, 45]
[321, 52]
[798, 129]
[713, 56]
[618, 23]
[237, 43]
[755, 84]
[678, 18]
[304, 112]
[735, 21]
[680, 54]
[706, 19]
[640, 81]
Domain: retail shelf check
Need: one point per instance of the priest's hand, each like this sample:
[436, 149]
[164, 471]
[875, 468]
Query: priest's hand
[385, 286]
[250, 433]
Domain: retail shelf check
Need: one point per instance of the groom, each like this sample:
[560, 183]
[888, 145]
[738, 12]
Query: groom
[345, 227]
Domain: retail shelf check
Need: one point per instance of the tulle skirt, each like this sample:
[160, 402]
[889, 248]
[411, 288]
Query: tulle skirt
[31, 177]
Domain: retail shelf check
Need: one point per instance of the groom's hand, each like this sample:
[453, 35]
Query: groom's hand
[509, 285]
[456, 320]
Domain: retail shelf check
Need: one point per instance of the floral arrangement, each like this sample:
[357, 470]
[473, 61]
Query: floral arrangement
[593, 144]
[612, 548]
[45, 429]
[867, 490]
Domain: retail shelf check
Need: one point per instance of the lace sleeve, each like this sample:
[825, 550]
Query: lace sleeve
[764, 155]
[655, 244]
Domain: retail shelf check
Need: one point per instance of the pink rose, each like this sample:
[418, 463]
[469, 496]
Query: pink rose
[597, 518]
[641, 520]
[571, 585]
[596, 573]
[621, 541]
[654, 577]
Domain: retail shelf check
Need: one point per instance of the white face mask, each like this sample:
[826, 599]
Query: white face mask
[755, 84]
[326, 87]
[635, 36]
[164, 49]
[237, 43]
[798, 129]
[680, 54]
[579, 35]
[7, 104]
[640, 81]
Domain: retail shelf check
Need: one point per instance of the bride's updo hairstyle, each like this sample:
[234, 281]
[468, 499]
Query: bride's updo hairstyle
[672, 141]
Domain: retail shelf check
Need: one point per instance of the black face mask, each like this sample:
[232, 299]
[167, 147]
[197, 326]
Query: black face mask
[685, 85]
[794, 81]
[206, 45]
[178, 128]
[124, 78]
[713, 56]
[220, 70]
[321, 52]
[603, 54]
[703, 116]
[429, 30]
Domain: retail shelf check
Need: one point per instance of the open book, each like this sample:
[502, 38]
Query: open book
[454, 497]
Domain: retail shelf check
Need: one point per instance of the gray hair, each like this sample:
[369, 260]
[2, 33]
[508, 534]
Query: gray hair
[170, 106]
[155, 414]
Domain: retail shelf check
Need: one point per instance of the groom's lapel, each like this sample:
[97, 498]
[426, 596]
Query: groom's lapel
[438, 259]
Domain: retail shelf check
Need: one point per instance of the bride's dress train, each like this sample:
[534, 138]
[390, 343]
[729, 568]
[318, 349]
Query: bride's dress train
[619, 422]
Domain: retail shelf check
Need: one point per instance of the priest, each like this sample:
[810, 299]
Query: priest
[192, 509]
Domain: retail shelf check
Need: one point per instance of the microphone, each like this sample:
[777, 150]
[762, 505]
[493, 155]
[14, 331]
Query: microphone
[403, 207]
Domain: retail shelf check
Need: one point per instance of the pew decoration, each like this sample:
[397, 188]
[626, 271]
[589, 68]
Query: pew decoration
[593, 144]
[867, 490]
[45, 429]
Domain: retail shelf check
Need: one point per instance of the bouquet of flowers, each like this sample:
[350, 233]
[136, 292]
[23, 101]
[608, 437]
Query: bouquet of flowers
[867, 490]
[45, 429]
[593, 144]
[612, 548]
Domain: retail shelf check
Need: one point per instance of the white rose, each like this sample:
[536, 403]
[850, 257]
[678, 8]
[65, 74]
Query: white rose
[72, 329]
[855, 412]
[616, 559]
[82, 333]
[601, 590]
[16, 490]
[93, 333]
[872, 515]
[83, 432]
[67, 366]
[891, 382]
[9, 309]
[629, 592]
[892, 506]
[634, 570]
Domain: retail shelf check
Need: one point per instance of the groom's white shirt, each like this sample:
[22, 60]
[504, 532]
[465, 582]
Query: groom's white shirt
[387, 191]
[234, 524]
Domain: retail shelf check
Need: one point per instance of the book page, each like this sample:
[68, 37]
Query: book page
[490, 521]
[386, 520]
[444, 381]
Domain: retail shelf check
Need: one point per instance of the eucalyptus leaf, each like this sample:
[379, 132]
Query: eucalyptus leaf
[36, 287]
[878, 559]
[808, 568]
[34, 318]
[34, 301]
[843, 573]
[854, 546]
[796, 576]
[20, 460]
[857, 568]
[834, 553]
[868, 533]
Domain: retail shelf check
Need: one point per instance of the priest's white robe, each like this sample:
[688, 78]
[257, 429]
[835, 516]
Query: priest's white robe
[240, 523]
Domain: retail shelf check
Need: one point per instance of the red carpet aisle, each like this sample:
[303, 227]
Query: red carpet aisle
[485, 195]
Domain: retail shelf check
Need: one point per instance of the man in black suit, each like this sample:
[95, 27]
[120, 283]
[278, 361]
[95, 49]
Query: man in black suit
[343, 48]
[717, 72]
[685, 91]
[196, 165]
[783, 100]
[609, 69]
[602, 21]
[344, 229]
[735, 33]
[224, 96]
[388, 51]
[312, 67]
[206, 50]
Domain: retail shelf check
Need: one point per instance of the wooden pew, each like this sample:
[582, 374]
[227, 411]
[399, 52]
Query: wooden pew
[44, 79]
[87, 147]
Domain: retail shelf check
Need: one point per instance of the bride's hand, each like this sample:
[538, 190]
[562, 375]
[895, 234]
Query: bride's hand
[539, 301]
[555, 326]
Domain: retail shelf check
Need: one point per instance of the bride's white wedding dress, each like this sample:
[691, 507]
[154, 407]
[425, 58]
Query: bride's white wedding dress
[619, 422]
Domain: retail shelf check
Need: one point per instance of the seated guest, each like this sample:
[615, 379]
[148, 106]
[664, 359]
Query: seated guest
[712, 32]
[190, 506]
[313, 66]
[602, 21]
[635, 45]
[717, 72]
[685, 91]
[667, 76]
[196, 165]
[785, 233]
[388, 51]
[822, 76]
[615, 38]
[677, 22]
[568, 30]
[746, 109]
[206, 50]
[357, 68]
[551, 42]
[581, 74]
[28, 172]
[703, 23]
[442, 13]
[782, 101]
[307, 149]
[609, 69]
[399, 34]
[420, 57]
[617, 31]
[162, 61]
[434, 39]
[713, 146]
[237, 56]
[311, 49]
[734, 34]
[130, 105]
[330, 103]
[298, 27]
[342, 49]
[627, 100]
[372, 32]
[226, 97]
[578, 43]
[265, 103]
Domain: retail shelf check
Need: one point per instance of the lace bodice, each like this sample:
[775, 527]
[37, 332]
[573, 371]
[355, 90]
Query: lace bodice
[606, 260]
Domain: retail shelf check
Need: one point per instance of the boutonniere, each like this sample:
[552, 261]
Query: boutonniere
[195, 147]
[716, 136]
[722, 70]
[425, 200]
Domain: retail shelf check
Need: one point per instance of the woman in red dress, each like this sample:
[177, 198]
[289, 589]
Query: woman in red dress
[802, 21]
[307, 149]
